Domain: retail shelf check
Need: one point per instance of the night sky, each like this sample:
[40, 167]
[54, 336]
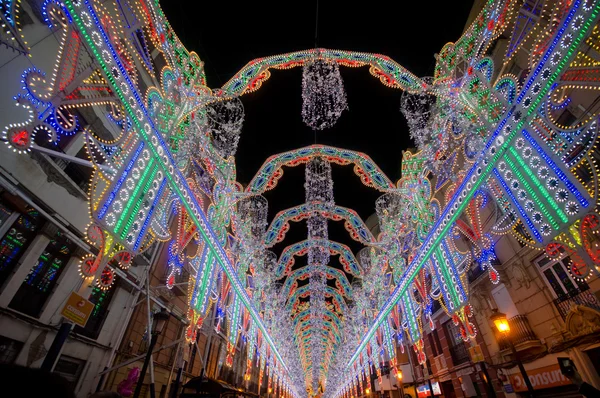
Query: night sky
[227, 35]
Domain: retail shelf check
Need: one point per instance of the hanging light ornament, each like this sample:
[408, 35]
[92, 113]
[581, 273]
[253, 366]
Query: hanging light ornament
[252, 212]
[418, 109]
[225, 119]
[319, 190]
[390, 213]
[323, 95]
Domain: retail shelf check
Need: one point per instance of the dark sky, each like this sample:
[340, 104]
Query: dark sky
[228, 34]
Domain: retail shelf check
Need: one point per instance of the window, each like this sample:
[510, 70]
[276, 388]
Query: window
[558, 278]
[5, 214]
[436, 340]
[38, 284]
[70, 368]
[16, 241]
[101, 299]
[458, 351]
[9, 349]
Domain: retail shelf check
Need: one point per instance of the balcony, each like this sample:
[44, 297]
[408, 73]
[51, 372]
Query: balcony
[521, 334]
[459, 354]
[577, 297]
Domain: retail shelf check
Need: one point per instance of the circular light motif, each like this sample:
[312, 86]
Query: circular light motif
[529, 205]
[571, 208]
[535, 162]
[124, 194]
[562, 195]
[567, 41]
[546, 73]
[86, 19]
[543, 172]
[545, 229]
[527, 102]
[514, 184]
[118, 206]
[536, 88]
[130, 183]
[527, 152]
[110, 219]
[508, 175]
[96, 38]
[578, 22]
[502, 166]
[522, 195]
[552, 183]
[106, 56]
[520, 143]
[555, 58]
[537, 217]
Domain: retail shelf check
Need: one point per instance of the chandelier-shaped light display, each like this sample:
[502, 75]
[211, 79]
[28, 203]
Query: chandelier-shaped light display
[418, 108]
[319, 190]
[323, 95]
[252, 212]
[225, 120]
[390, 213]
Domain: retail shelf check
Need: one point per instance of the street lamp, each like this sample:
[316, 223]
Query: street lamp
[503, 327]
[159, 320]
[400, 387]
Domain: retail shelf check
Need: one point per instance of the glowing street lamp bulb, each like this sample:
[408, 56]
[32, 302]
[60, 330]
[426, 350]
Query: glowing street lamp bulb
[500, 321]
[399, 375]
[368, 390]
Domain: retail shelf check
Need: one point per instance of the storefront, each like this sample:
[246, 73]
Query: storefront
[547, 381]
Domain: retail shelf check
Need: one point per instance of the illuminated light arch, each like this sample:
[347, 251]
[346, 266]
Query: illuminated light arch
[271, 171]
[304, 292]
[353, 223]
[251, 77]
[332, 273]
[328, 338]
[286, 260]
[330, 316]
[302, 325]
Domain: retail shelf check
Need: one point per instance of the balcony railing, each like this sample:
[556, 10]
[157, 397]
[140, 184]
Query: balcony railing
[459, 354]
[520, 332]
[578, 297]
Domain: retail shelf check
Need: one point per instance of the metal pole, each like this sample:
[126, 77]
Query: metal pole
[521, 368]
[175, 360]
[56, 347]
[154, 337]
[137, 358]
[138, 387]
[491, 390]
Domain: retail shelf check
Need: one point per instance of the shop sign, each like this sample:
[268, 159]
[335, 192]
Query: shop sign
[546, 377]
[508, 388]
[476, 353]
[423, 390]
[77, 309]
